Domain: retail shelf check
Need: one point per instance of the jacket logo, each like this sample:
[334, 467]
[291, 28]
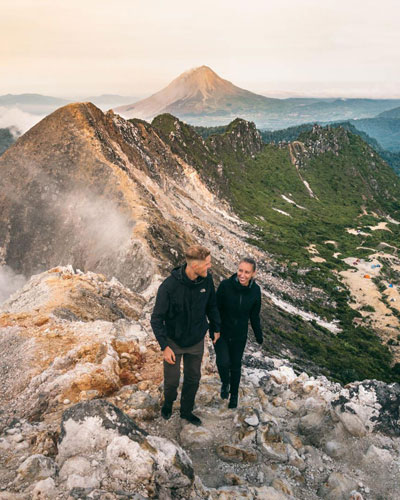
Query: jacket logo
[202, 290]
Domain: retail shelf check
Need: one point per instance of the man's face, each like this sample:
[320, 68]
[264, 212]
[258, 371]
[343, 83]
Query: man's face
[201, 267]
[245, 273]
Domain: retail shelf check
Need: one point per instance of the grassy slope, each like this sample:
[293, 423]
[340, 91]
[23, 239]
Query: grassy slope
[355, 176]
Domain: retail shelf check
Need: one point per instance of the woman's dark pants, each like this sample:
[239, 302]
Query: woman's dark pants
[192, 357]
[229, 361]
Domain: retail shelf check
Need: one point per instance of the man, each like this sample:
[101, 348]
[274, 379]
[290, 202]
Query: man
[239, 299]
[184, 302]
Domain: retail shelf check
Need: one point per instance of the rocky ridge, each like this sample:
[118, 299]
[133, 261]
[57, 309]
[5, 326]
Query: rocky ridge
[81, 418]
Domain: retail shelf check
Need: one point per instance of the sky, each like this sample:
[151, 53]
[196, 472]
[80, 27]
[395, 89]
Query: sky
[345, 48]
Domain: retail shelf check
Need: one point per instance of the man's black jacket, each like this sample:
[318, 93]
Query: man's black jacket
[237, 304]
[182, 308]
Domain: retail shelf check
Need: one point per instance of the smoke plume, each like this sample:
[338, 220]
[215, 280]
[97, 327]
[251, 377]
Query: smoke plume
[10, 282]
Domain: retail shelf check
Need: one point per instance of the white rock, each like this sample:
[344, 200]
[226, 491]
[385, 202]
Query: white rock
[284, 375]
[83, 438]
[253, 420]
[126, 460]
[75, 465]
[44, 490]
[174, 467]
[78, 481]
[352, 423]
[4, 444]
[377, 455]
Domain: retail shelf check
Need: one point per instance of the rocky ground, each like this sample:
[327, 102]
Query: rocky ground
[80, 414]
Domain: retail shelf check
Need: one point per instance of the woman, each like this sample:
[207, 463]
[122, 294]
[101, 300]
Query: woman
[239, 299]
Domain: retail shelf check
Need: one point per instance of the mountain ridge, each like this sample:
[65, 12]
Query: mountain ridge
[124, 198]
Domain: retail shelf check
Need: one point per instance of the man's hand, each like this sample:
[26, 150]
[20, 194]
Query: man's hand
[216, 336]
[169, 355]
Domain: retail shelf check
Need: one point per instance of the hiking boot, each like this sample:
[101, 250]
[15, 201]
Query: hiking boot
[192, 419]
[233, 402]
[225, 391]
[166, 411]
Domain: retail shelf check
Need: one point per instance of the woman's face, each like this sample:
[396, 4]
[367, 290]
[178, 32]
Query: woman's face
[245, 273]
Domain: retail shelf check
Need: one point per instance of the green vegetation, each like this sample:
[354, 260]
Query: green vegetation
[6, 139]
[349, 182]
[205, 132]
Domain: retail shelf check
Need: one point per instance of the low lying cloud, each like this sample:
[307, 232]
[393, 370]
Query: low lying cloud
[17, 120]
[10, 282]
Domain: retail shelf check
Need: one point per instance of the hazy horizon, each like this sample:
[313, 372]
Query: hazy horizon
[280, 48]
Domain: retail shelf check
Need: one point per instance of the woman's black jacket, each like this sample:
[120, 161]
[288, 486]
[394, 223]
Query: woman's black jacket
[237, 304]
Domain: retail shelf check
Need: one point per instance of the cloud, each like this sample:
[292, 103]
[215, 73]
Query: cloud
[18, 120]
[10, 282]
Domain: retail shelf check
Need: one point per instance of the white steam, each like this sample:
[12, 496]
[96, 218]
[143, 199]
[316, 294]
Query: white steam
[15, 118]
[10, 282]
[103, 229]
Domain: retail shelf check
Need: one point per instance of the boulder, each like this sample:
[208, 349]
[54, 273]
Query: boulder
[337, 487]
[99, 441]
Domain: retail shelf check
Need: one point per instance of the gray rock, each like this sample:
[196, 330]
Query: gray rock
[337, 487]
[335, 449]
[37, 467]
[110, 416]
[376, 455]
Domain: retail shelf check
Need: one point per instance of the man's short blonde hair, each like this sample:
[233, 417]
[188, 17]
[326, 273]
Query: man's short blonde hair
[196, 252]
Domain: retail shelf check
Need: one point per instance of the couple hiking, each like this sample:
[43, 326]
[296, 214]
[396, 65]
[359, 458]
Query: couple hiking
[186, 307]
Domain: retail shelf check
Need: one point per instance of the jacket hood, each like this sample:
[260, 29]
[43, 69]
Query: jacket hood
[179, 274]
[234, 279]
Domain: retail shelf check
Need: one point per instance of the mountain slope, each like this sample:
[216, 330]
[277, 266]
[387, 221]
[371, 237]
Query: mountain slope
[391, 113]
[125, 198]
[386, 130]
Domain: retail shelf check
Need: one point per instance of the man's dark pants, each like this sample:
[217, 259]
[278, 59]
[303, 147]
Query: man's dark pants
[192, 357]
[229, 361]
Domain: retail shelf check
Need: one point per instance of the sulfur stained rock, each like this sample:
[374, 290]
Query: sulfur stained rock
[37, 467]
[231, 453]
[195, 437]
[272, 444]
[281, 485]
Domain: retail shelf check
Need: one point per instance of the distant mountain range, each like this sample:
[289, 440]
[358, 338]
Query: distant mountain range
[385, 128]
[39, 104]
[201, 97]
[36, 104]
